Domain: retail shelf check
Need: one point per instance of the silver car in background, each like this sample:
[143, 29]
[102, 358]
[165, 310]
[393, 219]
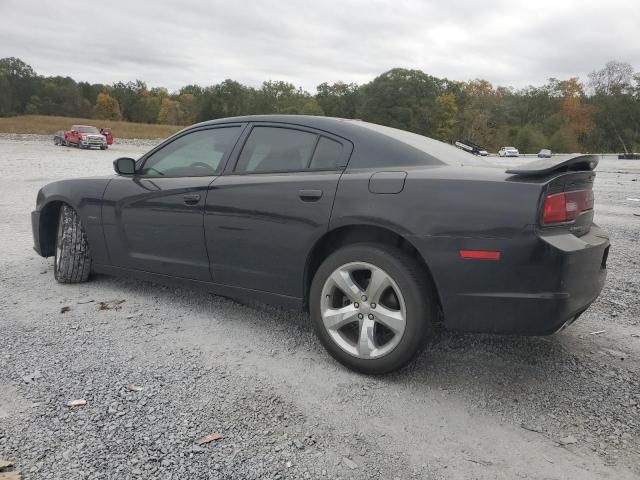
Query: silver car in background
[544, 153]
[508, 152]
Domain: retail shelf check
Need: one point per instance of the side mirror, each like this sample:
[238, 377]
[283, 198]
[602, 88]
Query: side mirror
[124, 166]
[75, 132]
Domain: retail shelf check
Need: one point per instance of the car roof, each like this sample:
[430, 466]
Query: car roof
[376, 145]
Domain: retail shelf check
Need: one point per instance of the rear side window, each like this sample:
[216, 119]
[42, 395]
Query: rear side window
[327, 156]
[275, 149]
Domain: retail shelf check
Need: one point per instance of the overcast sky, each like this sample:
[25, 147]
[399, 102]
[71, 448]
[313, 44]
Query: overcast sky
[172, 43]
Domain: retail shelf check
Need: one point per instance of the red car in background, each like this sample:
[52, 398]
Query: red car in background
[83, 136]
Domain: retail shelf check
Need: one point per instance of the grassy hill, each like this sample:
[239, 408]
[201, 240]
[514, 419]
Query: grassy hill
[46, 125]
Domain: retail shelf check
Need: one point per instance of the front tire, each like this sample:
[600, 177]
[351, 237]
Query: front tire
[72, 257]
[372, 307]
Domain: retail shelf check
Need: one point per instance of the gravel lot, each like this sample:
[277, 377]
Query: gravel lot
[160, 368]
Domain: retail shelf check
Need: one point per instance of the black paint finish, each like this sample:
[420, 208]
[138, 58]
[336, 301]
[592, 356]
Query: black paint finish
[387, 182]
[256, 235]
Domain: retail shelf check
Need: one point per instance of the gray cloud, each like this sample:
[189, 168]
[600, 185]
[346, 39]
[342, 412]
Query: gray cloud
[171, 43]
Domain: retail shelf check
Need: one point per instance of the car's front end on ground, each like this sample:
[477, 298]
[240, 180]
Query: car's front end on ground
[92, 140]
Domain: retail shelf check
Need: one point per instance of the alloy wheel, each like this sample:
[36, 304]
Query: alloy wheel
[363, 310]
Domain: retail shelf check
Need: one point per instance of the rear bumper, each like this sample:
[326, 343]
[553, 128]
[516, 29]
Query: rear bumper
[542, 281]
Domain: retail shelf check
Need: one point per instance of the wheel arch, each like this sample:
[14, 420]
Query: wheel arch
[49, 218]
[359, 233]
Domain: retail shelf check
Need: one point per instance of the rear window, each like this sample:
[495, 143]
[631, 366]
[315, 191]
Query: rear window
[327, 155]
[442, 151]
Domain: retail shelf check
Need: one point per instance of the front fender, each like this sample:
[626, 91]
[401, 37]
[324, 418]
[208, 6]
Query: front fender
[84, 195]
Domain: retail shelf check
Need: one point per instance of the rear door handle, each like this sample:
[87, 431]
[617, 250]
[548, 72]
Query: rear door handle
[310, 195]
[191, 198]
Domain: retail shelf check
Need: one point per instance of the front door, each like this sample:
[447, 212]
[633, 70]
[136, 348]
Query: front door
[273, 203]
[153, 221]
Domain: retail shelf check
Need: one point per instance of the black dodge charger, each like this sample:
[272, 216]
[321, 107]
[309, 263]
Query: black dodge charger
[380, 233]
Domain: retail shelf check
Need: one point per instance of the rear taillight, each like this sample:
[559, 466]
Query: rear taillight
[566, 206]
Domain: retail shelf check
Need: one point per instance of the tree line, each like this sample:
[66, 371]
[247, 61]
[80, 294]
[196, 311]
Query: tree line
[599, 115]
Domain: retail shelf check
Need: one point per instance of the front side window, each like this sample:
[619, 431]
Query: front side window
[197, 154]
[276, 149]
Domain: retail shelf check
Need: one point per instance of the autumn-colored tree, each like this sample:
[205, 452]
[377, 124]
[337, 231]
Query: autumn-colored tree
[576, 116]
[480, 101]
[311, 107]
[170, 112]
[189, 108]
[107, 107]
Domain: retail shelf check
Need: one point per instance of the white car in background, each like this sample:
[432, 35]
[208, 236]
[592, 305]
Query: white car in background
[508, 152]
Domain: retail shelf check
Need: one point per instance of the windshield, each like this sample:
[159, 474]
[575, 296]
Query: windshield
[442, 151]
[88, 130]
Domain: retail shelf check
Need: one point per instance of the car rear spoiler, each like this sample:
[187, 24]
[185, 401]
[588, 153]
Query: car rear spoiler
[561, 163]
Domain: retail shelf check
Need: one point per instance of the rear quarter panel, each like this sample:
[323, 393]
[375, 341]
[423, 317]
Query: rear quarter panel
[443, 210]
[441, 201]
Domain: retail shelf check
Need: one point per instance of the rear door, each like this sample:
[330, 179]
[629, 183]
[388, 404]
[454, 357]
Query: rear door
[273, 203]
[153, 221]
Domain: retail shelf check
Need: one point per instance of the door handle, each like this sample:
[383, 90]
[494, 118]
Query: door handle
[191, 198]
[310, 195]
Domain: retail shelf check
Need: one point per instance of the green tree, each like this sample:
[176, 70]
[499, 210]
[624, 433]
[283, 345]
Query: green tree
[616, 105]
[401, 98]
[445, 118]
[131, 98]
[311, 107]
[279, 97]
[226, 99]
[530, 139]
[19, 81]
[338, 99]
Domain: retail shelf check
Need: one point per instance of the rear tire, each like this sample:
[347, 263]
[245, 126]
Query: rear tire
[72, 256]
[395, 329]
